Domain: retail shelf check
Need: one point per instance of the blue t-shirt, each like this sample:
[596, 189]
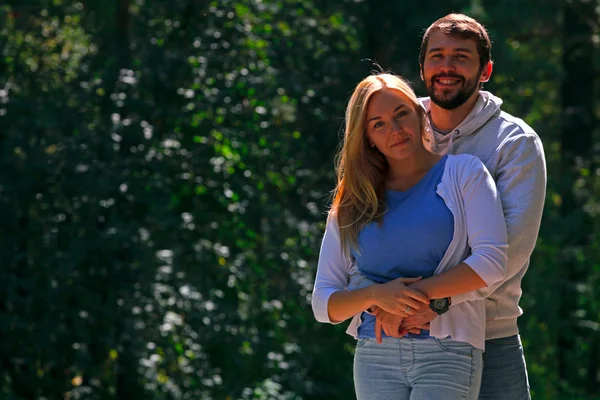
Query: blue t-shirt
[411, 241]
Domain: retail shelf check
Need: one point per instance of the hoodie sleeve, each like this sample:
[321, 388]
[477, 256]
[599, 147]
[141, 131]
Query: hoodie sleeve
[486, 228]
[332, 271]
[521, 182]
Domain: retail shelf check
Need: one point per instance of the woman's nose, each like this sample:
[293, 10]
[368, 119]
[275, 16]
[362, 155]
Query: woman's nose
[396, 127]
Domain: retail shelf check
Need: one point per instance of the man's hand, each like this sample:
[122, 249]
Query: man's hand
[390, 324]
[418, 321]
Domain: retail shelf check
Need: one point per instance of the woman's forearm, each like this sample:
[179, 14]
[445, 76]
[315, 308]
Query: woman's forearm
[458, 280]
[393, 296]
[347, 303]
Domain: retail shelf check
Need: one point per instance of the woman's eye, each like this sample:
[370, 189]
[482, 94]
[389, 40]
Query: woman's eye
[378, 124]
[401, 114]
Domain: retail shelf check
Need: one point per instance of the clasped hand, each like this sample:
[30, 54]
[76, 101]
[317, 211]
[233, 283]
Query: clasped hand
[410, 313]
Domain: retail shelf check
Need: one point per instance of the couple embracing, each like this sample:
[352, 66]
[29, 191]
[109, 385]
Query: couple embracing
[435, 215]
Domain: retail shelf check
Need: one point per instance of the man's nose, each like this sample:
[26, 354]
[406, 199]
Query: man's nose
[447, 64]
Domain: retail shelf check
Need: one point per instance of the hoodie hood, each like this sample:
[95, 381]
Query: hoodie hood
[486, 107]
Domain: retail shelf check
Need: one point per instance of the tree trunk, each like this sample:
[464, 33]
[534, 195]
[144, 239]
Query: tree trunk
[577, 95]
[122, 33]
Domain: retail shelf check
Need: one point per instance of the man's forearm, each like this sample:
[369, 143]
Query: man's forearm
[457, 280]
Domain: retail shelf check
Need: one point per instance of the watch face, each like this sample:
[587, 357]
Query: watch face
[440, 304]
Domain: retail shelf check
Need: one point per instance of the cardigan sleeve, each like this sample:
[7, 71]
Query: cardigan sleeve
[521, 183]
[332, 271]
[485, 224]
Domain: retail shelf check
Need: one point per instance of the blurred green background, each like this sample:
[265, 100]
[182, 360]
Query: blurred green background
[165, 170]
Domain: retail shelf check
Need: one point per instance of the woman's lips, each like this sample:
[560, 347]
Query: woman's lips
[400, 143]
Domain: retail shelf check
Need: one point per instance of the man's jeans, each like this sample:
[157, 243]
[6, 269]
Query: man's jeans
[504, 370]
[416, 369]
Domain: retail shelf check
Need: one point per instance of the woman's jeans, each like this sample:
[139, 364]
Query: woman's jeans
[417, 369]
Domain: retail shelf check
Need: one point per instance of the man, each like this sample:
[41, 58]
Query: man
[455, 60]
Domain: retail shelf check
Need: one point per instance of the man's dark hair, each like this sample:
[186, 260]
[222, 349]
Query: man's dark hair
[464, 27]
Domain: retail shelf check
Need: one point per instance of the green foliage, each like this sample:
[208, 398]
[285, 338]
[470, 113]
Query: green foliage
[166, 171]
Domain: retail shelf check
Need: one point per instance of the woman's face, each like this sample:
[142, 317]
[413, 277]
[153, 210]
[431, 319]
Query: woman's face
[393, 125]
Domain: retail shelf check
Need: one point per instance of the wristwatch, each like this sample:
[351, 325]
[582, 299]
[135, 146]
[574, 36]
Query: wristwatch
[440, 306]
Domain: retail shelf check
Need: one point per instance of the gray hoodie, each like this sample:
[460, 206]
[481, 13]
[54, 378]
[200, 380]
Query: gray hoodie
[514, 156]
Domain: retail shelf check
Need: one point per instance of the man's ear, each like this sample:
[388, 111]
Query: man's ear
[421, 72]
[487, 72]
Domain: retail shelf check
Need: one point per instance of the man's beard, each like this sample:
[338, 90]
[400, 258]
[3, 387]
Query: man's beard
[448, 102]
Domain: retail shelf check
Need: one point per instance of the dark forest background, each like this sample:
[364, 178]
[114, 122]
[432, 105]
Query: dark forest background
[165, 169]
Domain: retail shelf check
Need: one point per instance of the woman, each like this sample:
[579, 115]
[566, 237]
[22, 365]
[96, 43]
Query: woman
[402, 211]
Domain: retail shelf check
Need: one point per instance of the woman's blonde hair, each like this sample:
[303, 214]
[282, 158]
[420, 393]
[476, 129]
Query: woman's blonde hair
[359, 197]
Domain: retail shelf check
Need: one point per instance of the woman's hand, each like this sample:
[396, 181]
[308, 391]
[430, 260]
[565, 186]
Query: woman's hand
[398, 299]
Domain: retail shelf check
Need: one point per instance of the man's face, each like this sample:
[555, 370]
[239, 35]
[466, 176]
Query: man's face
[451, 70]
